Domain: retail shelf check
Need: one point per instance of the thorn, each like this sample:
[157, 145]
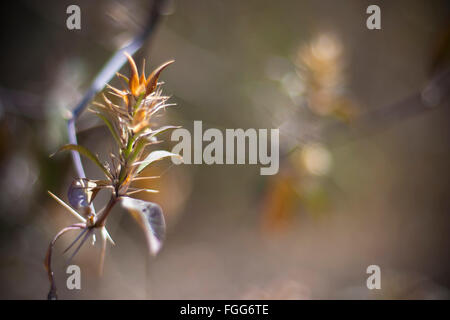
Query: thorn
[80, 245]
[65, 205]
[75, 241]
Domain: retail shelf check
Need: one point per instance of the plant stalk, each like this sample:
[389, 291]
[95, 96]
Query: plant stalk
[101, 220]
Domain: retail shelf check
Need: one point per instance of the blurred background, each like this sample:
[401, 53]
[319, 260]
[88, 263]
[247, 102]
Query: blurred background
[364, 150]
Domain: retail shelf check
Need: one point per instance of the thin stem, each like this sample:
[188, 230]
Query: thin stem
[76, 240]
[101, 220]
[48, 258]
[102, 258]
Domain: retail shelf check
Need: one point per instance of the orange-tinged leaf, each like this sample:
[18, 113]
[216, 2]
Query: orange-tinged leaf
[134, 78]
[139, 116]
[142, 80]
[139, 121]
[152, 80]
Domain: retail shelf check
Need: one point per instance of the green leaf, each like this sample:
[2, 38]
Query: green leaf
[110, 127]
[150, 217]
[155, 156]
[87, 153]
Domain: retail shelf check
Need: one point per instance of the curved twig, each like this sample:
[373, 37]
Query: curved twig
[48, 258]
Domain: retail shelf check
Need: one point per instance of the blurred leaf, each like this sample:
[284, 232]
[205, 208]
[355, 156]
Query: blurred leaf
[150, 217]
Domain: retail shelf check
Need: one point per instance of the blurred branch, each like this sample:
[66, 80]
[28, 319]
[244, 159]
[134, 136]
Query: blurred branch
[19, 102]
[434, 95]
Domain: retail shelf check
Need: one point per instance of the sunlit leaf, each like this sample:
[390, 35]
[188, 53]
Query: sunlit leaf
[134, 78]
[148, 134]
[155, 156]
[152, 80]
[139, 121]
[161, 130]
[136, 190]
[150, 217]
[161, 106]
